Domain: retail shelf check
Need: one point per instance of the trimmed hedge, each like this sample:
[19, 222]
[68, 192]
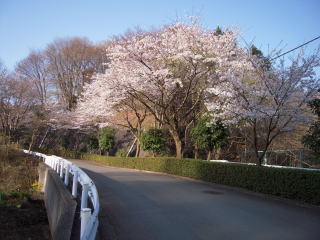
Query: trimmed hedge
[289, 183]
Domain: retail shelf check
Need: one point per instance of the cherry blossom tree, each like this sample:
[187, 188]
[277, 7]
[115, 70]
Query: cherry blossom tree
[112, 107]
[269, 102]
[170, 72]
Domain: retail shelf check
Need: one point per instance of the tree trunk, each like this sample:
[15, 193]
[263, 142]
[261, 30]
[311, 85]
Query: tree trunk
[44, 137]
[255, 143]
[217, 153]
[32, 140]
[209, 155]
[138, 149]
[196, 152]
[178, 143]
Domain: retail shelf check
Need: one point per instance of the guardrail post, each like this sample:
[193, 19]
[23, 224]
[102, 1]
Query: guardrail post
[89, 217]
[84, 196]
[66, 176]
[85, 217]
[57, 165]
[61, 169]
[75, 184]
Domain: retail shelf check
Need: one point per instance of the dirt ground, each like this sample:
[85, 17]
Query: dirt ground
[29, 222]
[22, 212]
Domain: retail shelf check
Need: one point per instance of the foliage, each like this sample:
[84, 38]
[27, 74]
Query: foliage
[106, 139]
[92, 143]
[121, 152]
[18, 174]
[218, 31]
[153, 140]
[312, 138]
[315, 105]
[289, 183]
[268, 102]
[264, 61]
[15, 198]
[65, 142]
[169, 73]
[209, 135]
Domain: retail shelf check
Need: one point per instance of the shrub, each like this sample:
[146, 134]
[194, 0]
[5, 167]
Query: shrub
[17, 173]
[154, 140]
[92, 143]
[289, 183]
[106, 139]
[209, 136]
[121, 152]
[64, 142]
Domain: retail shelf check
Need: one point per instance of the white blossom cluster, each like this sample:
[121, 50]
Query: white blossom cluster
[153, 65]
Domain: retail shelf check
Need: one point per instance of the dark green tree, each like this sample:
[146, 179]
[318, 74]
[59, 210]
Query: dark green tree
[312, 138]
[218, 31]
[210, 137]
[264, 61]
[106, 140]
[64, 142]
[92, 143]
[256, 52]
[154, 140]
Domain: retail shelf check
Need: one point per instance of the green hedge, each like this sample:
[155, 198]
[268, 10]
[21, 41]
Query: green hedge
[289, 183]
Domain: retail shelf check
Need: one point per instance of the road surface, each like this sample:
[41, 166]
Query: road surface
[142, 205]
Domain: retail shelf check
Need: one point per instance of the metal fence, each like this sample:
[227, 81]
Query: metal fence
[301, 158]
[65, 169]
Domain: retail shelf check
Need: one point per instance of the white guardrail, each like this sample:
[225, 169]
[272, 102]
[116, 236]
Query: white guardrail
[63, 167]
[267, 165]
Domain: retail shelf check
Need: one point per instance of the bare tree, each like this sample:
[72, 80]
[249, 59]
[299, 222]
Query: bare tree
[16, 99]
[3, 70]
[71, 63]
[35, 69]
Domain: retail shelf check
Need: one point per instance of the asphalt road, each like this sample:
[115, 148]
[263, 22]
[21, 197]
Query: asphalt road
[142, 205]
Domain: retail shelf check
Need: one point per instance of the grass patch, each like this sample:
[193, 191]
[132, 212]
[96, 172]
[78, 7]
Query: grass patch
[18, 175]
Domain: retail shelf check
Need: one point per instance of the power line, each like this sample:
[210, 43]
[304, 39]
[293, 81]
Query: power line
[295, 48]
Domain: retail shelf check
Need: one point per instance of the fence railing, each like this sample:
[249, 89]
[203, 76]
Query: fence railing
[65, 168]
[267, 165]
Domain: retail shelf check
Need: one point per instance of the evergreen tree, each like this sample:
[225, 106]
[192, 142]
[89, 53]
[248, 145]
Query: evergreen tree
[106, 140]
[265, 62]
[218, 31]
[312, 138]
[210, 137]
[154, 140]
[92, 143]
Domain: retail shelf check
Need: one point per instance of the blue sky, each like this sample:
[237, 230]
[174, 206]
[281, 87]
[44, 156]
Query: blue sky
[32, 24]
